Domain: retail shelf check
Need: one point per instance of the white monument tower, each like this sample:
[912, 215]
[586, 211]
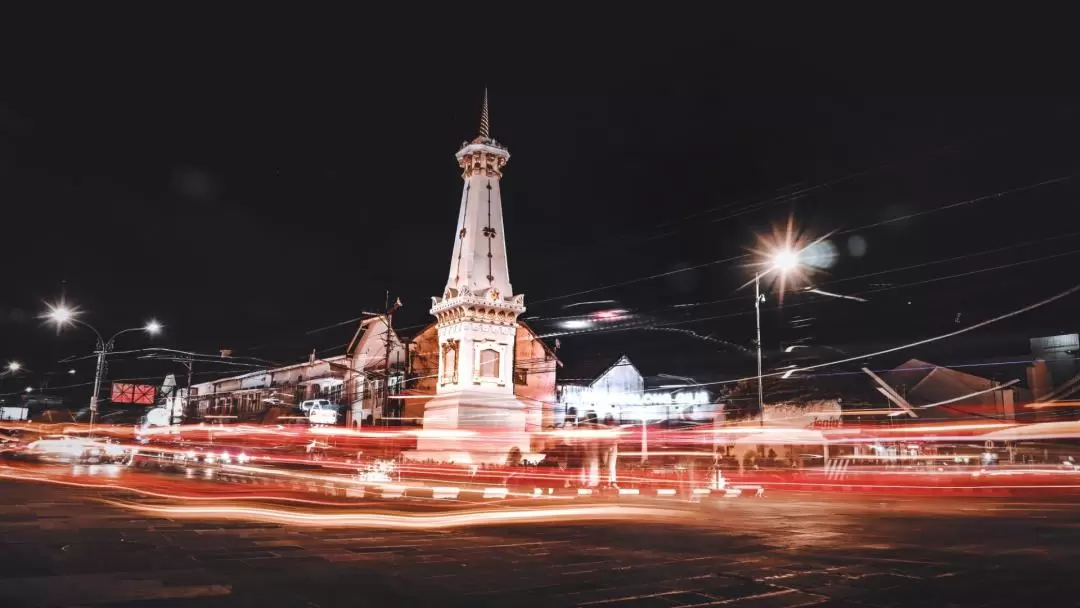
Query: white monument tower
[477, 323]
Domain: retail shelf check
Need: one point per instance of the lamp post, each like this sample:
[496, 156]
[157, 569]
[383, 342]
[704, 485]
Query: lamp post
[9, 370]
[62, 315]
[644, 436]
[783, 262]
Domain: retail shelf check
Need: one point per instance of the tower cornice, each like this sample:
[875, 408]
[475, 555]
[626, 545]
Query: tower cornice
[490, 308]
[487, 158]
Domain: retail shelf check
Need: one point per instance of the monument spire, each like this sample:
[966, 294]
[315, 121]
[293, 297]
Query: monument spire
[478, 265]
[485, 125]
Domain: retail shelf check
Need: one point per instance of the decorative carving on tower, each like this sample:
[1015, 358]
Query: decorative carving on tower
[482, 162]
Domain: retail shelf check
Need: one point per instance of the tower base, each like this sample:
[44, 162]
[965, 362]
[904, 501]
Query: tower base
[474, 428]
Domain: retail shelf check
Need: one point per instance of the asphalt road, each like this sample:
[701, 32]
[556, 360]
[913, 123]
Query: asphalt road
[60, 547]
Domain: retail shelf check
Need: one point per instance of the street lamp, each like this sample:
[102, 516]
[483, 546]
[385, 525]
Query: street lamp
[782, 261]
[62, 315]
[9, 370]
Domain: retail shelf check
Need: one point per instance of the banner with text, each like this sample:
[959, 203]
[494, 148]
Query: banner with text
[140, 394]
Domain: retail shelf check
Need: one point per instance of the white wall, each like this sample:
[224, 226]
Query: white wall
[620, 379]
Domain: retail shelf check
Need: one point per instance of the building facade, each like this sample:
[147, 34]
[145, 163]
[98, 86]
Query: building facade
[356, 381]
[622, 395]
[942, 393]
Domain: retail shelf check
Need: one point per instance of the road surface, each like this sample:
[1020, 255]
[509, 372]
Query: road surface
[61, 547]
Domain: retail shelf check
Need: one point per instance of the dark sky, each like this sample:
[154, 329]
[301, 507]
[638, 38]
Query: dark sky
[248, 178]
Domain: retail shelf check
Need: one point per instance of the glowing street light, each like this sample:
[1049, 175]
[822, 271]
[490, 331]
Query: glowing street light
[62, 315]
[29, 389]
[784, 261]
[9, 370]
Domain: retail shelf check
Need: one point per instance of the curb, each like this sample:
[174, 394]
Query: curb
[391, 490]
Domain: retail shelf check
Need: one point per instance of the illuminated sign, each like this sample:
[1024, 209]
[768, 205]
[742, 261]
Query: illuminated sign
[618, 399]
[140, 394]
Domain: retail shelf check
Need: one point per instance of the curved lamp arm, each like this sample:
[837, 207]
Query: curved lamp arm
[101, 340]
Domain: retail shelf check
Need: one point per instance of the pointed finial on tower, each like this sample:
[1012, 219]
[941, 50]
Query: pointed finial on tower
[485, 127]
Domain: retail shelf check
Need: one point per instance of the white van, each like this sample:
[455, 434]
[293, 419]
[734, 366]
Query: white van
[320, 411]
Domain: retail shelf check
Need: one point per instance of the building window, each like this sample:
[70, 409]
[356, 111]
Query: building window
[489, 363]
[334, 394]
[450, 362]
[521, 376]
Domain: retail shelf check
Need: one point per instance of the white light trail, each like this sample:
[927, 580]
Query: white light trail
[836, 295]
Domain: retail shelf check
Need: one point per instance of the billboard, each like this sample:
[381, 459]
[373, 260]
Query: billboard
[13, 413]
[141, 394]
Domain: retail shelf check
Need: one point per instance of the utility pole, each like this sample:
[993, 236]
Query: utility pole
[99, 371]
[757, 315]
[389, 318]
[188, 403]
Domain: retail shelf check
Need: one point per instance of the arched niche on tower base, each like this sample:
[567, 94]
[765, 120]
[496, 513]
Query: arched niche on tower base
[450, 358]
[490, 366]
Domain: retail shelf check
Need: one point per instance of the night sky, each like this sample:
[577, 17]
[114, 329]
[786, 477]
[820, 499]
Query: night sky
[246, 179]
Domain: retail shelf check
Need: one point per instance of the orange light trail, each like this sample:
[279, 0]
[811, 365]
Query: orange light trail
[179, 497]
[408, 522]
[948, 427]
[1046, 404]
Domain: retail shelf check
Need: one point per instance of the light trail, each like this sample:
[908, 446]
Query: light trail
[409, 522]
[924, 487]
[948, 427]
[178, 497]
[1046, 404]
